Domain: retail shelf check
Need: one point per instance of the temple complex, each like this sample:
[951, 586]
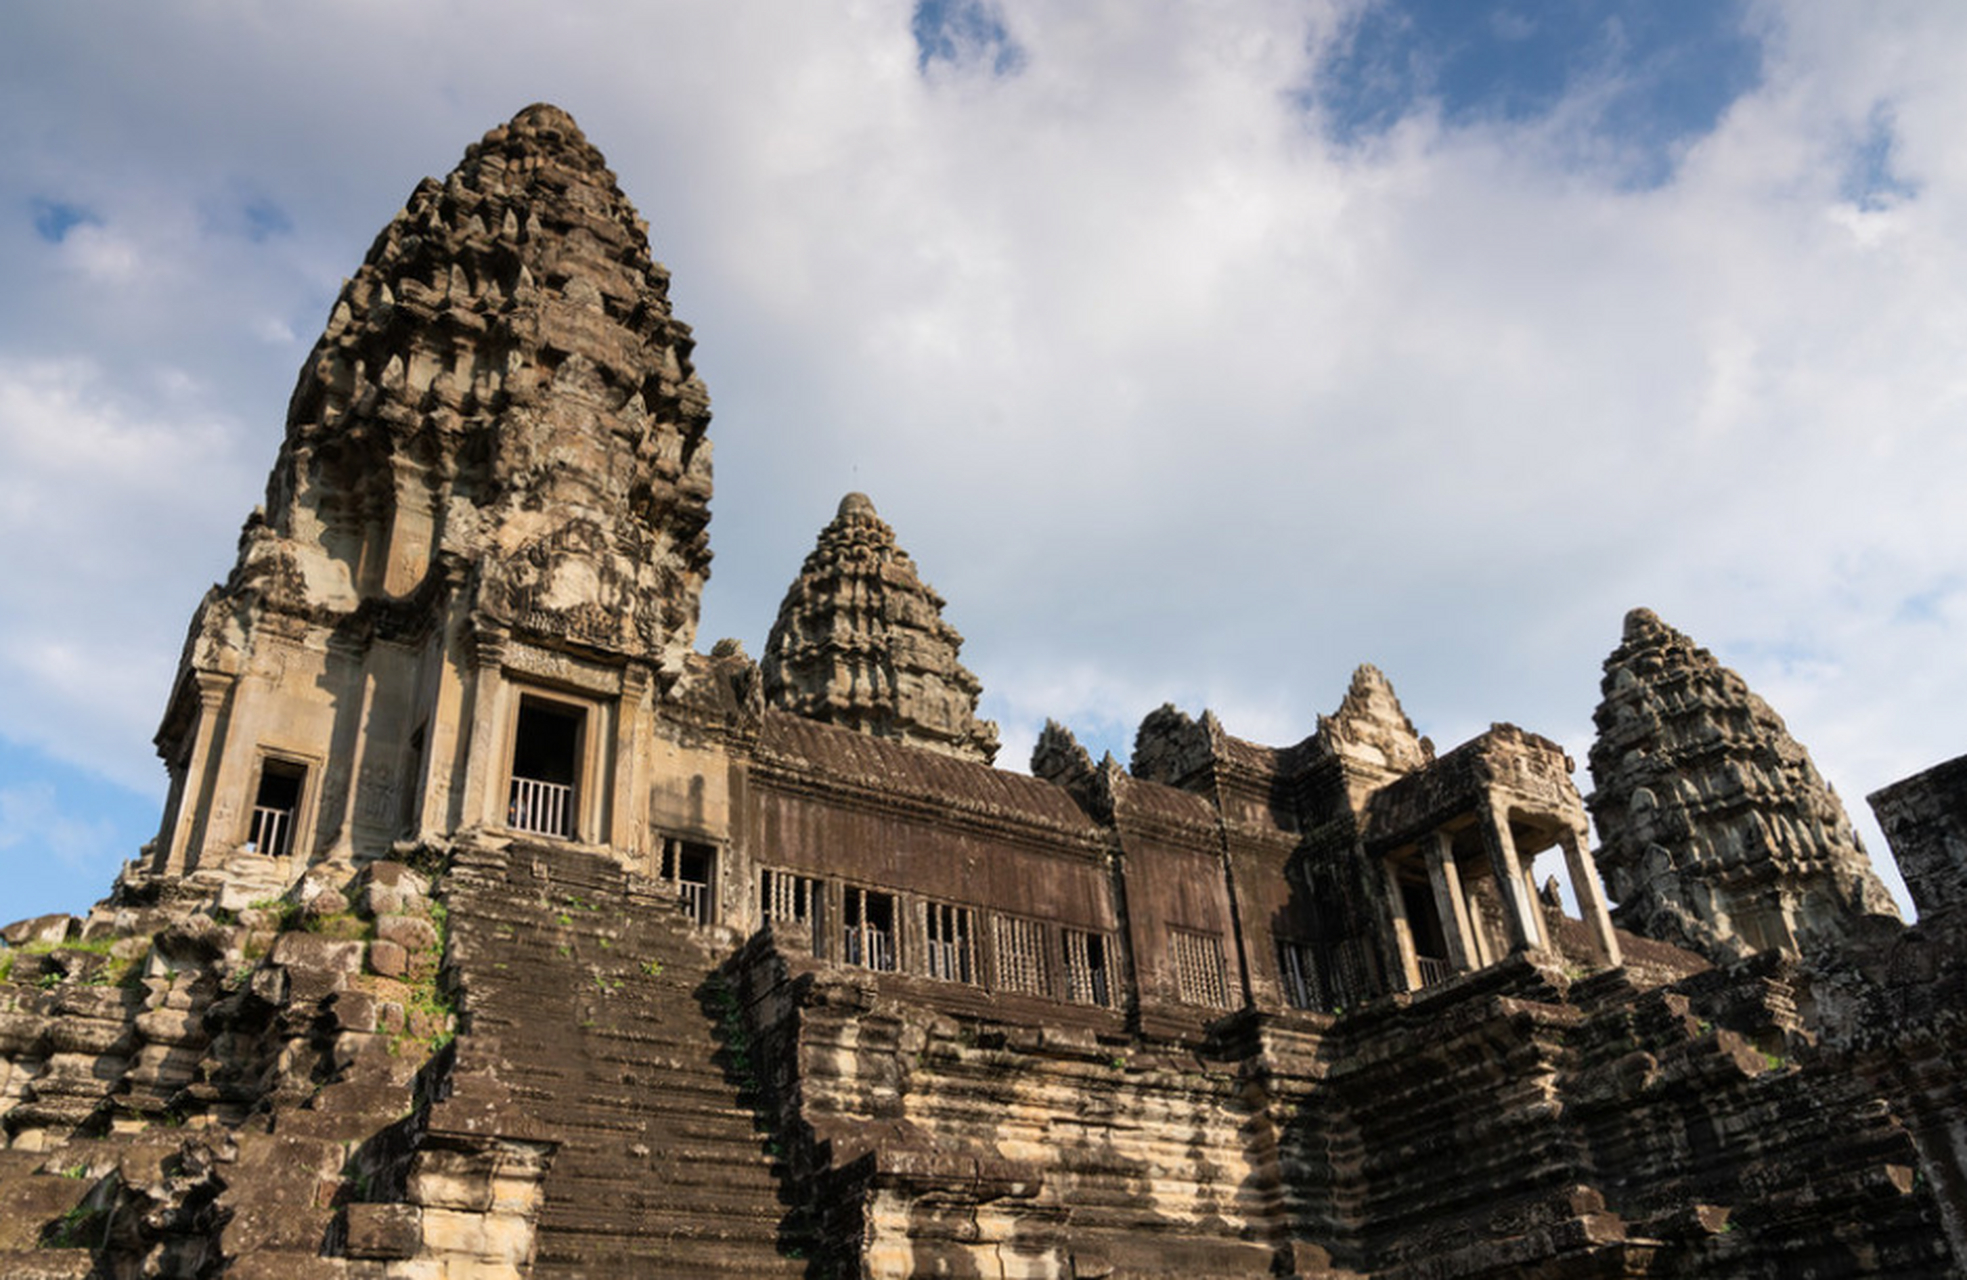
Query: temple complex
[496, 929]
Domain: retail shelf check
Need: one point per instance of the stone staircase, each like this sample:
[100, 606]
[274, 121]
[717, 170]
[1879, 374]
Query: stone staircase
[617, 1034]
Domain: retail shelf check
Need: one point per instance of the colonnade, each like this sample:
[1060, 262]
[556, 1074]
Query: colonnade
[1469, 945]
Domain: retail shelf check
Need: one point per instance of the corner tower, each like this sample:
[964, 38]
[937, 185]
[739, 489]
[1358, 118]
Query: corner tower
[1718, 833]
[860, 643]
[495, 474]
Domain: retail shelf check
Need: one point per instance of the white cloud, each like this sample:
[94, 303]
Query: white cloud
[31, 819]
[100, 479]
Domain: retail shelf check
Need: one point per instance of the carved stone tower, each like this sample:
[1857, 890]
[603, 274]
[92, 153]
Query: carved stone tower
[1718, 833]
[860, 642]
[495, 465]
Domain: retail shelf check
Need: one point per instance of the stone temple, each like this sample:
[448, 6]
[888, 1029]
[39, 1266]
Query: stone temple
[494, 928]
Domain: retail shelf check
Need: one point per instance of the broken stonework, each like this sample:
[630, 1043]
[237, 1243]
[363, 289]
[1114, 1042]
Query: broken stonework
[860, 642]
[1718, 833]
[1924, 818]
[494, 932]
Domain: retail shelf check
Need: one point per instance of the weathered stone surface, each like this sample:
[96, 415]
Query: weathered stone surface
[1924, 818]
[860, 642]
[1717, 832]
[386, 1231]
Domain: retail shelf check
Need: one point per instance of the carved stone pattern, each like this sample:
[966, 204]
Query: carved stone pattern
[1718, 833]
[860, 642]
[501, 382]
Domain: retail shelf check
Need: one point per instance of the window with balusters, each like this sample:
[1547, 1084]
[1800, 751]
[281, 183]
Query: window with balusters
[949, 942]
[1199, 975]
[1020, 946]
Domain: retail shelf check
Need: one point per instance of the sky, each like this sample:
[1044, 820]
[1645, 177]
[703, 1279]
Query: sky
[1197, 352]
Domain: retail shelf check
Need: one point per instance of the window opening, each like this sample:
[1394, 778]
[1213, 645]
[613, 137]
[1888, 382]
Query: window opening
[692, 869]
[545, 768]
[951, 946]
[276, 805]
[1086, 980]
[1298, 967]
[1424, 926]
[1199, 976]
[787, 898]
[1021, 956]
[409, 818]
[869, 928]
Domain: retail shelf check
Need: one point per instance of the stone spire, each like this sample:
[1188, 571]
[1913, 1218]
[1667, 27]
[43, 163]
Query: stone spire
[502, 385]
[1718, 833]
[1370, 729]
[495, 469]
[860, 642]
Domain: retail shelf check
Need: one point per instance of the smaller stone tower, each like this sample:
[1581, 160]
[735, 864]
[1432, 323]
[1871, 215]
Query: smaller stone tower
[1718, 833]
[860, 643]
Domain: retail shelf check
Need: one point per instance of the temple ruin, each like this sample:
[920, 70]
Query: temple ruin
[496, 929]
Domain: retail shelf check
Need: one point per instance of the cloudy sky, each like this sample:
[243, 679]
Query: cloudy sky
[1198, 352]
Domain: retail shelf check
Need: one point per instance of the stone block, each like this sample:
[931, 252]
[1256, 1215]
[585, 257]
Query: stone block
[1924, 818]
[453, 1180]
[418, 1269]
[301, 950]
[412, 933]
[395, 875]
[388, 959]
[453, 1231]
[170, 1026]
[325, 903]
[47, 1264]
[88, 1036]
[382, 900]
[47, 931]
[30, 1204]
[388, 1231]
[506, 1237]
[356, 1011]
[285, 1265]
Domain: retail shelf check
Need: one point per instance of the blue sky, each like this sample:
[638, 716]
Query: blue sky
[1197, 353]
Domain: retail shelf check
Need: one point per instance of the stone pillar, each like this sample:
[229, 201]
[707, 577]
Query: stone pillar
[484, 769]
[1539, 923]
[1448, 900]
[356, 756]
[628, 823]
[1517, 919]
[1590, 893]
[197, 800]
[1403, 932]
[1485, 949]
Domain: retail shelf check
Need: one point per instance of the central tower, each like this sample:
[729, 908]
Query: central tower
[483, 539]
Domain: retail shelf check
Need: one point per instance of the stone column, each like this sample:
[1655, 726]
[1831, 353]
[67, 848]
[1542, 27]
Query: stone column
[484, 770]
[1448, 900]
[1538, 920]
[628, 824]
[1517, 920]
[1485, 953]
[1403, 932]
[1590, 894]
[356, 757]
[197, 799]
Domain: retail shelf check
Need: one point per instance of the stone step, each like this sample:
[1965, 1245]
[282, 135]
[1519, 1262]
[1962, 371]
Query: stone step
[675, 1259]
[682, 1207]
[666, 1172]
